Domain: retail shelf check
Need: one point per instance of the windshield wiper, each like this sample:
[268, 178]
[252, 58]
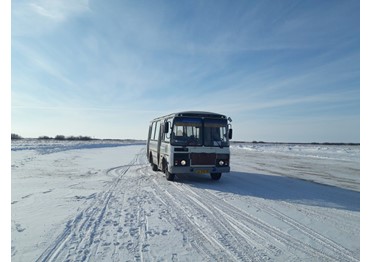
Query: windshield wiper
[219, 143]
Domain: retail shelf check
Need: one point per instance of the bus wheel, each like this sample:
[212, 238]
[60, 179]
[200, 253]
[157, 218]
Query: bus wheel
[216, 176]
[169, 176]
[154, 167]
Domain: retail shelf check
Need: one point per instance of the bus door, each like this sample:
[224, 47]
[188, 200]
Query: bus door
[148, 143]
[158, 147]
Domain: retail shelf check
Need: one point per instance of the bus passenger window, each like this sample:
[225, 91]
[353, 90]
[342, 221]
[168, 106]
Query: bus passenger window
[153, 130]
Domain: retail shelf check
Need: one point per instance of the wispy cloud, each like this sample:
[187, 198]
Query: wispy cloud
[40, 16]
[102, 60]
[59, 10]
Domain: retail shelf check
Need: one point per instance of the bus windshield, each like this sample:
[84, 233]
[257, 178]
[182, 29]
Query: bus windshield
[215, 132]
[188, 131]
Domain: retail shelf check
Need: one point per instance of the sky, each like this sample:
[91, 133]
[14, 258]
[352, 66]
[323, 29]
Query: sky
[284, 71]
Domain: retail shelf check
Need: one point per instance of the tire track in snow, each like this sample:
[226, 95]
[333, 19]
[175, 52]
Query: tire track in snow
[206, 230]
[341, 253]
[342, 220]
[82, 232]
[209, 226]
[244, 221]
[180, 217]
[246, 243]
[233, 231]
[132, 236]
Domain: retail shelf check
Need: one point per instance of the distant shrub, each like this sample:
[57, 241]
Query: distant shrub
[85, 138]
[79, 138]
[44, 138]
[73, 138]
[15, 136]
[60, 137]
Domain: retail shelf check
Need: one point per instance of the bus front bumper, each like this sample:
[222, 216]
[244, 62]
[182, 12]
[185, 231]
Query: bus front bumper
[198, 170]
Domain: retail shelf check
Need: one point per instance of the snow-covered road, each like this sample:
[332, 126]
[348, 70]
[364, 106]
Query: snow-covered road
[104, 203]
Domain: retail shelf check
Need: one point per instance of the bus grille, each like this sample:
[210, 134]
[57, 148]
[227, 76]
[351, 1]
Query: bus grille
[203, 159]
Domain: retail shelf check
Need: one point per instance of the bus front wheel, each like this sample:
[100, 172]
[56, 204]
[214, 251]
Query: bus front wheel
[153, 166]
[169, 176]
[216, 176]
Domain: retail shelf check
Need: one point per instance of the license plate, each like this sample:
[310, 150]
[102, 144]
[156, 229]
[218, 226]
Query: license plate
[202, 171]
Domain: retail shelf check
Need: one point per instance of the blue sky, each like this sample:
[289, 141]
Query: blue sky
[286, 71]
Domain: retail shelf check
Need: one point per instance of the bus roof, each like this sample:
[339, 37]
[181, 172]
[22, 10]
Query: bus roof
[194, 114]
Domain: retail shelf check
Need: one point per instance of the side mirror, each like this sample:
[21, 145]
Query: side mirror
[230, 133]
[166, 127]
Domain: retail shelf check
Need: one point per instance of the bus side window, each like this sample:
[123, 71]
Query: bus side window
[157, 131]
[153, 130]
[150, 132]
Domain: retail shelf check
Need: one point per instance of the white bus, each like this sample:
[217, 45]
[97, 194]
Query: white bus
[190, 143]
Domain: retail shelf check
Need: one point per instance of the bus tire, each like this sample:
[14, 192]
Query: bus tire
[216, 176]
[153, 166]
[169, 176]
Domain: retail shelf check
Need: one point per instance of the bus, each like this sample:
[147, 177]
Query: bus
[190, 142]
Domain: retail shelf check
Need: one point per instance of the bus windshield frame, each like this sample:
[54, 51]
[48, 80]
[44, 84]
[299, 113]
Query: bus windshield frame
[196, 131]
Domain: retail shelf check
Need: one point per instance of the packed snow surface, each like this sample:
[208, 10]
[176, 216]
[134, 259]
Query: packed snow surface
[100, 201]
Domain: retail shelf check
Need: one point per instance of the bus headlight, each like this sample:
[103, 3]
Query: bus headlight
[222, 160]
[181, 159]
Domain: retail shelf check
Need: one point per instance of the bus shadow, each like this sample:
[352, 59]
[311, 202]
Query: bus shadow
[277, 188]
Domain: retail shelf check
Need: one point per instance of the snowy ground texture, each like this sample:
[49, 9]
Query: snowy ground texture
[100, 201]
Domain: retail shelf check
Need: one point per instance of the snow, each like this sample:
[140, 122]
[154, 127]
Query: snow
[100, 201]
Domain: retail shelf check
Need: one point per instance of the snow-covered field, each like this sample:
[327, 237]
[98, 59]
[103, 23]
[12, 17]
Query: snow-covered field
[100, 201]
